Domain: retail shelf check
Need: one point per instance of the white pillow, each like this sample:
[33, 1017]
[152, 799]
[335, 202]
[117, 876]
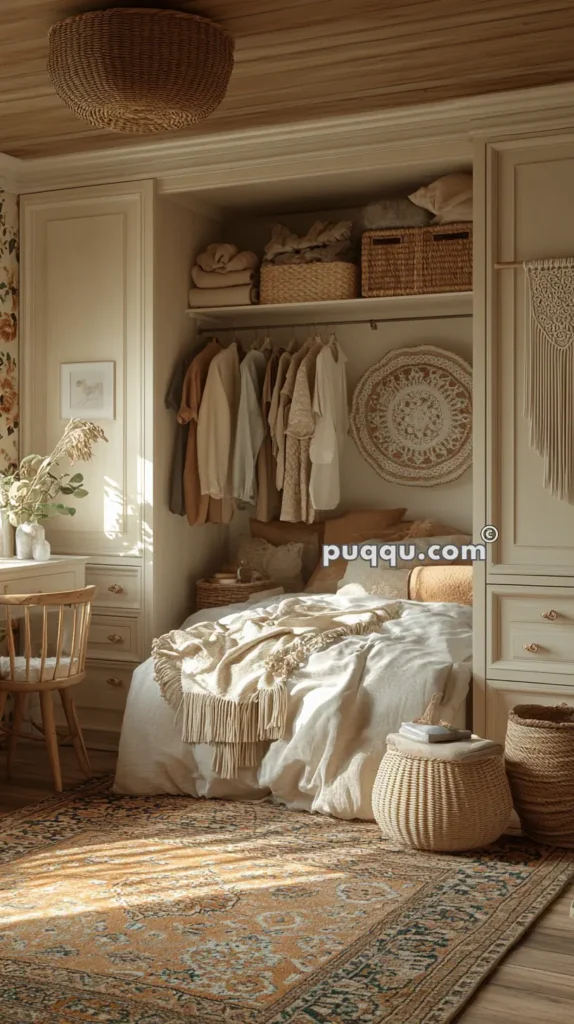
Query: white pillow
[380, 576]
[449, 198]
[282, 564]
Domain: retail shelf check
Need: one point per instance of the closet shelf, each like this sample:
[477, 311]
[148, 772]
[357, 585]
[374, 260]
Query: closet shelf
[400, 307]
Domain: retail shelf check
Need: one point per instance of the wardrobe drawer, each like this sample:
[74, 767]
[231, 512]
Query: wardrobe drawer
[502, 696]
[531, 630]
[105, 686]
[118, 587]
[115, 637]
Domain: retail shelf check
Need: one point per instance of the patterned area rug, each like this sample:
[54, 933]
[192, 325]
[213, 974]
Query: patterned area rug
[118, 910]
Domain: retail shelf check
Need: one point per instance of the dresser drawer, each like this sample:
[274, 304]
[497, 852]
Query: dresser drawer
[105, 686]
[47, 584]
[118, 587]
[116, 637]
[531, 630]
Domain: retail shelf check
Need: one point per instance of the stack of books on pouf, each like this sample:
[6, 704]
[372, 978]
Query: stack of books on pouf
[441, 788]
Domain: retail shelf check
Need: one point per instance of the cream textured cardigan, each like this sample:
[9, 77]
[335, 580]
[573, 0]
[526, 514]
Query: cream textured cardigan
[216, 424]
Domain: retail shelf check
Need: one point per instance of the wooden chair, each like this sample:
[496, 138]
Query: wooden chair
[61, 623]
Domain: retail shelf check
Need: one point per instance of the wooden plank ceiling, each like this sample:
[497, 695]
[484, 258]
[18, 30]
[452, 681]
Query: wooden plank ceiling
[305, 59]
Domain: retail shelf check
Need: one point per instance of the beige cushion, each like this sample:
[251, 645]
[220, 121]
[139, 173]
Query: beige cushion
[449, 198]
[282, 564]
[474, 749]
[309, 535]
[354, 527]
[34, 669]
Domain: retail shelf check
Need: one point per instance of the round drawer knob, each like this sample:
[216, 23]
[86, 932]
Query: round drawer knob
[116, 589]
[533, 648]
[114, 681]
[550, 615]
[115, 638]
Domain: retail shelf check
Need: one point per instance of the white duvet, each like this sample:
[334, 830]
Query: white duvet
[342, 704]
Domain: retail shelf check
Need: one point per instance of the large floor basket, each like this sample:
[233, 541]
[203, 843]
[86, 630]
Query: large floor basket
[540, 767]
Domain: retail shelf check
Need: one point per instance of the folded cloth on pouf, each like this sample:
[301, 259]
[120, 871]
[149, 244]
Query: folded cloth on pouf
[450, 583]
[241, 295]
[214, 279]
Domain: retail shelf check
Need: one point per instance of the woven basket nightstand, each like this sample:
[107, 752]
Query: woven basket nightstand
[425, 799]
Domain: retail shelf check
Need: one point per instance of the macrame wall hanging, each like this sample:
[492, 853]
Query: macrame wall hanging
[549, 385]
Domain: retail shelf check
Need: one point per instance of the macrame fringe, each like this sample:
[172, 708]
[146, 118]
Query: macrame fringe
[549, 385]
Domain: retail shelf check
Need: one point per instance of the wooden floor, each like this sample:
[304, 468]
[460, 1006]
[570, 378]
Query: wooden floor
[534, 985]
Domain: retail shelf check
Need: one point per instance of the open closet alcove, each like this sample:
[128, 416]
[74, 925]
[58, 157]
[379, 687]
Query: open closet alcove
[106, 266]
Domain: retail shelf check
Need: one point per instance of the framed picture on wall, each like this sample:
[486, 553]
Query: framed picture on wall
[88, 391]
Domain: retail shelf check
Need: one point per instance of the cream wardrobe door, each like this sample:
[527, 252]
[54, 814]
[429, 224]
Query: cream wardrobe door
[86, 254]
[531, 207]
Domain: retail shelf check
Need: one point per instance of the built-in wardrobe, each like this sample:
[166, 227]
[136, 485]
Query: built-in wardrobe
[524, 615]
[106, 272]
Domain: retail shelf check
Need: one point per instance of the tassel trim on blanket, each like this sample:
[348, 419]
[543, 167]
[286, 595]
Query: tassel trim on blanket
[549, 385]
[239, 730]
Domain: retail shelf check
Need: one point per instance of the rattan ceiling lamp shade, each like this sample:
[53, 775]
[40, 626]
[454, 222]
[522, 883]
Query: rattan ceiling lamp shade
[140, 70]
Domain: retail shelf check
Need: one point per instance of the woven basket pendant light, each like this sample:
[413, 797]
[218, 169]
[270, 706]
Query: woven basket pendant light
[140, 70]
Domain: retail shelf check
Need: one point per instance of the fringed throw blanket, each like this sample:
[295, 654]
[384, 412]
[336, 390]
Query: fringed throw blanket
[228, 677]
[550, 371]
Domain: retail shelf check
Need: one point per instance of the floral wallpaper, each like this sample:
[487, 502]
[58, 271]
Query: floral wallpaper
[8, 329]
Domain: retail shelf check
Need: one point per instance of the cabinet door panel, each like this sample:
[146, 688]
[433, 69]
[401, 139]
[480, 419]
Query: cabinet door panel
[83, 285]
[533, 216]
[501, 697]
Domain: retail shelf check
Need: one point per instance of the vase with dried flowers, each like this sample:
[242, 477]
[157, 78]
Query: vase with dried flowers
[28, 495]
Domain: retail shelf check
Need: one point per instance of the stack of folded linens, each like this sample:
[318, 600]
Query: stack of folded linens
[224, 276]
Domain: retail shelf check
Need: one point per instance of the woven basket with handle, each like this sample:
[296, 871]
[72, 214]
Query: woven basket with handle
[540, 765]
[441, 805]
[308, 282]
[417, 261]
[140, 69]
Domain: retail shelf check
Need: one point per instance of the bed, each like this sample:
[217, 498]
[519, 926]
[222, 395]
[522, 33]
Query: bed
[342, 703]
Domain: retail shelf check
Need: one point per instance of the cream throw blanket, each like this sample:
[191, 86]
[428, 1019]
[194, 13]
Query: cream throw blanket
[228, 677]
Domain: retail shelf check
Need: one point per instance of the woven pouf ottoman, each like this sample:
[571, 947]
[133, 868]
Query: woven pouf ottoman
[442, 796]
[540, 768]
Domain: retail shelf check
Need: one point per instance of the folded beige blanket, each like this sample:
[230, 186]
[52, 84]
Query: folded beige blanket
[226, 259]
[215, 279]
[474, 749]
[241, 295]
[228, 677]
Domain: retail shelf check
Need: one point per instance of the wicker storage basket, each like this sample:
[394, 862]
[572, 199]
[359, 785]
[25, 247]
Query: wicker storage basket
[417, 261]
[138, 69]
[540, 767]
[211, 593]
[308, 282]
[441, 805]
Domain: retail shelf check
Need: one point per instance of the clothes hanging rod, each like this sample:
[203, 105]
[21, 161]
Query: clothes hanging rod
[372, 321]
[508, 266]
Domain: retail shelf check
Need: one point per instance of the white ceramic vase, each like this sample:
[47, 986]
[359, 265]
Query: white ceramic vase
[29, 535]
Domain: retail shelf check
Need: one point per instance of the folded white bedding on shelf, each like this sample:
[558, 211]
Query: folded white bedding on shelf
[342, 702]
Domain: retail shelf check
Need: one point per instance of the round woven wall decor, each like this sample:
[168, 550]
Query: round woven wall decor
[140, 70]
[411, 417]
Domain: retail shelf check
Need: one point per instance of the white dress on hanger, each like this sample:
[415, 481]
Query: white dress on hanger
[250, 427]
[331, 409]
[216, 424]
